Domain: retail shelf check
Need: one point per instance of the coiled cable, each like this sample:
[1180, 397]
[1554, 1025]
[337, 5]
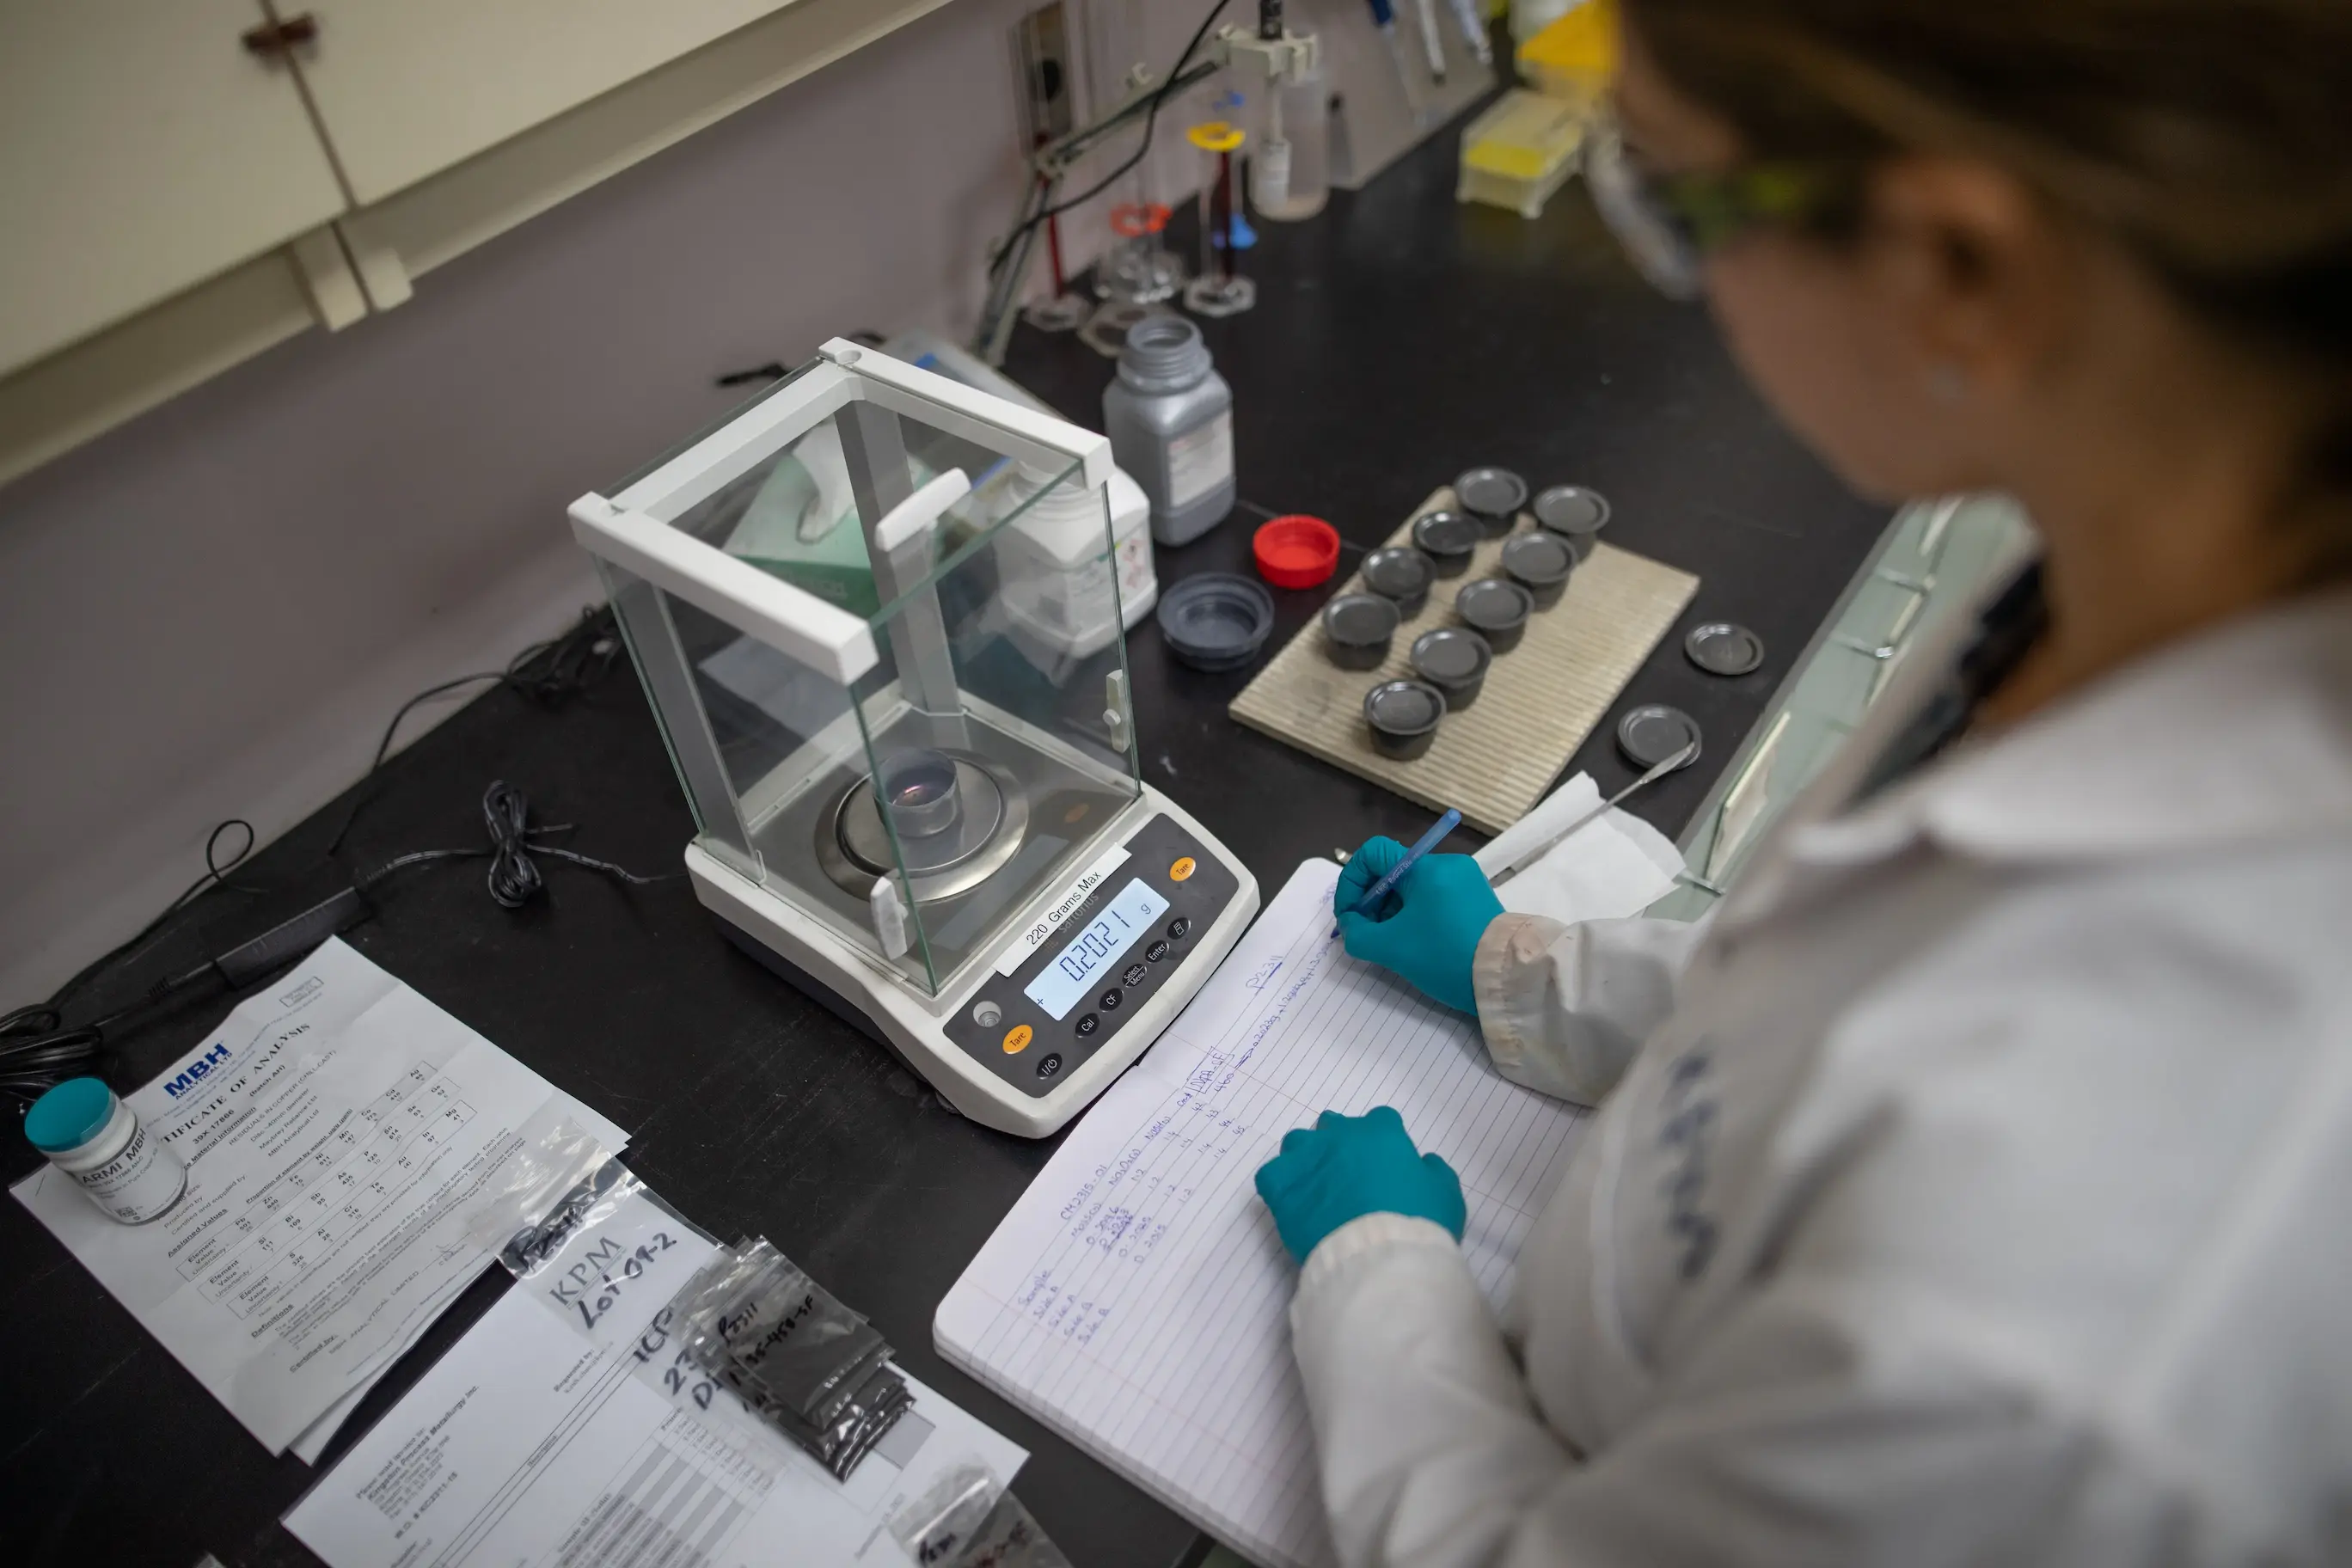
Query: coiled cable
[514, 876]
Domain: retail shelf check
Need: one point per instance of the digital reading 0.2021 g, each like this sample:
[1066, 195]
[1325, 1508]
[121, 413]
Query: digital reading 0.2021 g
[1109, 934]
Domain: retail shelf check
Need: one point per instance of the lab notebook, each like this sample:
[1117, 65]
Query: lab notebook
[1136, 1298]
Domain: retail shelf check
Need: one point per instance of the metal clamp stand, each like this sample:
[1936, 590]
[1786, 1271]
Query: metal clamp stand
[1271, 53]
[1053, 163]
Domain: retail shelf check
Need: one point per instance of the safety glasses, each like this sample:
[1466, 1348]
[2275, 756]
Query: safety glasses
[1670, 223]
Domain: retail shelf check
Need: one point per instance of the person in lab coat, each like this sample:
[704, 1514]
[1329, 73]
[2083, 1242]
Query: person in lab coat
[1976, 1185]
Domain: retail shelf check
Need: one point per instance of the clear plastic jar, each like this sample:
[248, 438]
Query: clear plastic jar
[1290, 171]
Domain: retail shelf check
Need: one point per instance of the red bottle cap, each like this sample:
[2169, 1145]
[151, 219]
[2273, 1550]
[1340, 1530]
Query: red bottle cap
[1296, 551]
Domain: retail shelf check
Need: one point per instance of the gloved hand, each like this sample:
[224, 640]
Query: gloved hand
[1429, 928]
[1347, 1166]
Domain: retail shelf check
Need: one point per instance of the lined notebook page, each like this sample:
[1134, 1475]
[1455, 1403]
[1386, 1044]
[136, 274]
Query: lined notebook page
[1136, 1299]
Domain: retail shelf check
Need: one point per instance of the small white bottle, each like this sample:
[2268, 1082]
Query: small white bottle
[93, 1137]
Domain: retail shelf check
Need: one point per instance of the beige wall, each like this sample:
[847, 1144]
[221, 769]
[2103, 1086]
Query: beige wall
[211, 612]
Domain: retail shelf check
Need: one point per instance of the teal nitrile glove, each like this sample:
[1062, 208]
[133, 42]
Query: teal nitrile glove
[1429, 930]
[1348, 1166]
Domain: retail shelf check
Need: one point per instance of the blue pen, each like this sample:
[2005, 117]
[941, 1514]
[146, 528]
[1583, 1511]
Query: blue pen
[1427, 842]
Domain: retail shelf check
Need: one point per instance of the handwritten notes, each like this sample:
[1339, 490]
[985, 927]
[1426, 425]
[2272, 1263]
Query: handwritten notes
[1136, 1297]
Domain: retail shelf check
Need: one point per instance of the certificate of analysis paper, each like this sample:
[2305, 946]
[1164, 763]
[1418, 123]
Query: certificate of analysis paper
[568, 1429]
[341, 1135]
[1136, 1299]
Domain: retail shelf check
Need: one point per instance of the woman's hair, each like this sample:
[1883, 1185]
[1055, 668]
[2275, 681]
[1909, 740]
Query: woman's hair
[2213, 138]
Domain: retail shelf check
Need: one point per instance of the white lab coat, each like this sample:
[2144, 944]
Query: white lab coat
[1979, 1192]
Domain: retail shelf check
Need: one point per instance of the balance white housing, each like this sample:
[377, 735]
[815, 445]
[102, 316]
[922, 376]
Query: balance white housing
[910, 1022]
[915, 772]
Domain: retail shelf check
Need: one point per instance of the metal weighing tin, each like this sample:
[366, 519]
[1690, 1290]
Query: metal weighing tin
[1402, 573]
[1722, 647]
[1496, 609]
[1404, 716]
[1649, 735]
[1448, 539]
[1356, 628]
[1540, 564]
[1493, 496]
[1454, 661]
[1575, 513]
[1217, 620]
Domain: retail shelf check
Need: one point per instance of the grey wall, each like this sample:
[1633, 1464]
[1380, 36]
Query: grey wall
[212, 612]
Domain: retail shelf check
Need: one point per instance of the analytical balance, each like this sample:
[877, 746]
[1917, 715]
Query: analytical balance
[878, 615]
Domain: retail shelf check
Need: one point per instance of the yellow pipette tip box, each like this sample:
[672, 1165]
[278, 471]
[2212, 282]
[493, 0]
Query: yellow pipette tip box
[1520, 151]
[1574, 58]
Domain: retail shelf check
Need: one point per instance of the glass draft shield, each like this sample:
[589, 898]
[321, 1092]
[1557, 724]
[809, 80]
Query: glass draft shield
[876, 615]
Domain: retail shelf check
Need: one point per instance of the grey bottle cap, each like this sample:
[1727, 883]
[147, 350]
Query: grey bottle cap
[1572, 509]
[1491, 493]
[1404, 707]
[1449, 656]
[1400, 572]
[1446, 533]
[1493, 604]
[1360, 619]
[1538, 558]
[1163, 353]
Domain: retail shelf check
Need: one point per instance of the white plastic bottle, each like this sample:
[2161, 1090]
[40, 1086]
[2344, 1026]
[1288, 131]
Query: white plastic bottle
[93, 1137]
[1057, 587]
[1290, 171]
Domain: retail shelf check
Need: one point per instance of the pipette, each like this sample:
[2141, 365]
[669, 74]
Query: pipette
[1385, 18]
[1432, 39]
[1474, 30]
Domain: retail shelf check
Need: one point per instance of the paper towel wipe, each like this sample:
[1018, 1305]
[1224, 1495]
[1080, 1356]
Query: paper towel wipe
[1609, 868]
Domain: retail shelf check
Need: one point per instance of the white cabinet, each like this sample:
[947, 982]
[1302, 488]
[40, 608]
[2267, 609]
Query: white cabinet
[142, 150]
[172, 202]
[404, 89]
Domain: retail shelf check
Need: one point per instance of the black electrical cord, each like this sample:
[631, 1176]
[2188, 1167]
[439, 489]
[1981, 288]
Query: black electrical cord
[215, 870]
[1150, 119]
[37, 1052]
[549, 673]
[514, 879]
[37, 1049]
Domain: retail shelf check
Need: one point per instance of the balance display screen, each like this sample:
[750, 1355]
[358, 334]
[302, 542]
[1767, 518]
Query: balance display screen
[1106, 939]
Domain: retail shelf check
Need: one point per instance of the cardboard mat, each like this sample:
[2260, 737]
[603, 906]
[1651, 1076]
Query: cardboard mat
[1493, 760]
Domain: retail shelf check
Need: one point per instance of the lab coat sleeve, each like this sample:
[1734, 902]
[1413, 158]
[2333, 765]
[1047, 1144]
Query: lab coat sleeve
[1805, 1432]
[1794, 1436]
[1429, 1450]
[1564, 1007]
